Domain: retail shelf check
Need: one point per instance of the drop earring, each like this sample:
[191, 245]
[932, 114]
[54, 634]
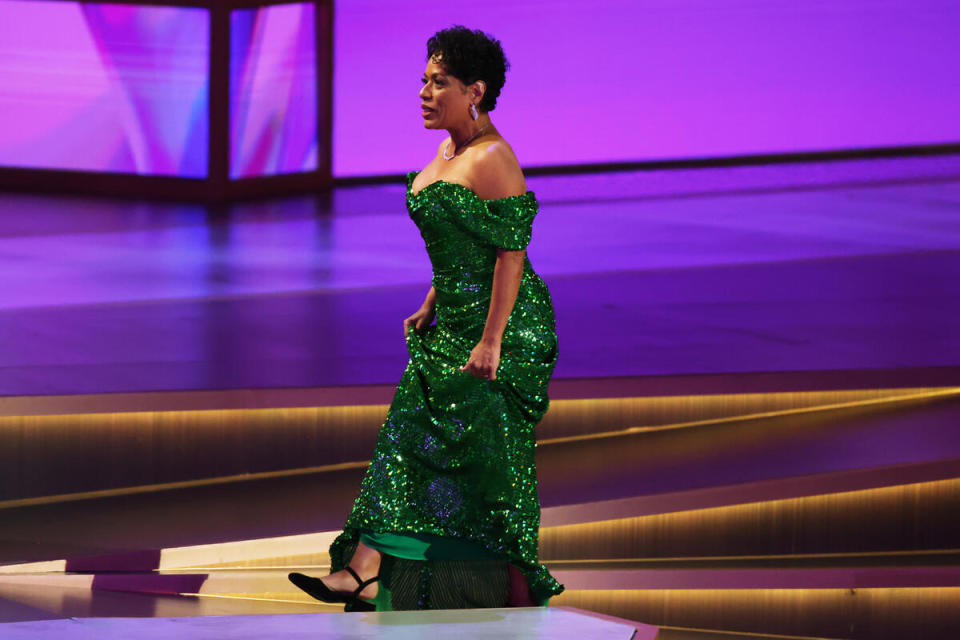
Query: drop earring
[473, 111]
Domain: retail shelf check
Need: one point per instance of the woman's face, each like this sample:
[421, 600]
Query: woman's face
[443, 99]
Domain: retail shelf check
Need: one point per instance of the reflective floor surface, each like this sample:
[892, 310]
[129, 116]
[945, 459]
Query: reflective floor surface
[792, 267]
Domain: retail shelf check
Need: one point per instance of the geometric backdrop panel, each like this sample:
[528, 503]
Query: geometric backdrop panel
[273, 90]
[104, 87]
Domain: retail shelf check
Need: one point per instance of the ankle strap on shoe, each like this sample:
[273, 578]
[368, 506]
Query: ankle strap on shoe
[363, 583]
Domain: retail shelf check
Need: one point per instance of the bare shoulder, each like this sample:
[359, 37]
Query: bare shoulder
[495, 172]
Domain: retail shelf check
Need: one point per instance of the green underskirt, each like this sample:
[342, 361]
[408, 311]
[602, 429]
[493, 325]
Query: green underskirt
[423, 546]
[419, 546]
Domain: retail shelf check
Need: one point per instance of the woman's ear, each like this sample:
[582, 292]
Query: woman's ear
[480, 88]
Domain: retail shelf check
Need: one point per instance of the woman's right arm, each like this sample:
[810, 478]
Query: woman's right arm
[430, 302]
[424, 315]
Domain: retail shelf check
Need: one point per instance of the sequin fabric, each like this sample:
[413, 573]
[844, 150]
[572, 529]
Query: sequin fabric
[455, 455]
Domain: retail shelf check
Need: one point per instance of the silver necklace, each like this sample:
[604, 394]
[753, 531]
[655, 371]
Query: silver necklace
[463, 144]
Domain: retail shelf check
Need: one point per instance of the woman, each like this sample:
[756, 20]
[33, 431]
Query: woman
[448, 511]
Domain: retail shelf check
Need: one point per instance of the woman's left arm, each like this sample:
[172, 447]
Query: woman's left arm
[507, 274]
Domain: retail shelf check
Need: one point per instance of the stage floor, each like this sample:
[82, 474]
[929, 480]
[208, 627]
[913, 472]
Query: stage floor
[845, 265]
[472, 624]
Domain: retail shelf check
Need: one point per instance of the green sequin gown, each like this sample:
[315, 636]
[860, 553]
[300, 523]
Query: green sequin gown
[455, 455]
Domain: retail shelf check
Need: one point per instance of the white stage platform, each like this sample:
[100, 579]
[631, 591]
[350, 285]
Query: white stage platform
[534, 623]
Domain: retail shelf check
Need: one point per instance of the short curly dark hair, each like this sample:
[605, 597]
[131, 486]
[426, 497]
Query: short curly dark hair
[470, 56]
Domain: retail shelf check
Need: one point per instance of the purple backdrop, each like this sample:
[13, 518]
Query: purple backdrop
[114, 88]
[104, 87]
[273, 90]
[624, 80]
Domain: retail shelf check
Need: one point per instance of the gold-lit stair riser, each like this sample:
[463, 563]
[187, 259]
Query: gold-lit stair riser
[574, 418]
[740, 449]
[111, 451]
[857, 614]
[314, 561]
[918, 516]
[677, 633]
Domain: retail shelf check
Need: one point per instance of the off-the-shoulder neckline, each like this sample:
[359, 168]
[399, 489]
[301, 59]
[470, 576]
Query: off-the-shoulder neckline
[410, 192]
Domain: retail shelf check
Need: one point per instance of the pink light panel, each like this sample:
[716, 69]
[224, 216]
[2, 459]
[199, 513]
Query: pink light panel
[104, 87]
[273, 90]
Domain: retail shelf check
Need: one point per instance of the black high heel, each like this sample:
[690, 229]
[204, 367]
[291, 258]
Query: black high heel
[317, 589]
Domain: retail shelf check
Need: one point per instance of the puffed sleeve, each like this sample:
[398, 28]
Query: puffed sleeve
[506, 223]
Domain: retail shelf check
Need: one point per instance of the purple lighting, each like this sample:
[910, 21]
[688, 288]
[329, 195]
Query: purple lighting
[630, 80]
[104, 87]
[273, 90]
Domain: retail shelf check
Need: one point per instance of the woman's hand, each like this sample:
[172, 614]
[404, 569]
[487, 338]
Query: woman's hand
[420, 320]
[484, 360]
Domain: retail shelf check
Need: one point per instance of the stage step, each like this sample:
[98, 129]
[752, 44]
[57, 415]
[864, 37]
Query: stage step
[824, 523]
[164, 449]
[885, 523]
[479, 624]
[676, 633]
[796, 518]
[750, 450]
[271, 582]
[829, 598]
[858, 614]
